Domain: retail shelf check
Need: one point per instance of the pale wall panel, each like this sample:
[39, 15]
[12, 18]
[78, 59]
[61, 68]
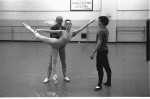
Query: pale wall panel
[97, 4]
[131, 23]
[132, 15]
[133, 37]
[132, 4]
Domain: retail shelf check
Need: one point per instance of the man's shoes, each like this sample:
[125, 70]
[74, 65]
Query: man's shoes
[46, 80]
[66, 79]
[107, 84]
[98, 88]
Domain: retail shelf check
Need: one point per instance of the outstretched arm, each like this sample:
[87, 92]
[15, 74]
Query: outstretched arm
[29, 28]
[49, 31]
[83, 27]
[42, 38]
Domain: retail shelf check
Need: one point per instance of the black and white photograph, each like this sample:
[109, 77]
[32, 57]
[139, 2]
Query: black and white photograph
[74, 48]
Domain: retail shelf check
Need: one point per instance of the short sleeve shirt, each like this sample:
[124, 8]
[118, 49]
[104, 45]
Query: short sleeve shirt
[103, 34]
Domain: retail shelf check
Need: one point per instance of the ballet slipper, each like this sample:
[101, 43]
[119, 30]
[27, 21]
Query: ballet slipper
[55, 79]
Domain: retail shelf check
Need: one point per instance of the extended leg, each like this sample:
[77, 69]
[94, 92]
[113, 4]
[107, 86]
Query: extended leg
[50, 41]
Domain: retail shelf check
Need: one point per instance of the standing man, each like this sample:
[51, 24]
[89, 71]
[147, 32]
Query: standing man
[102, 51]
[62, 53]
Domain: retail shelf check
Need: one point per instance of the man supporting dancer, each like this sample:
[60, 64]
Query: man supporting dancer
[102, 51]
[64, 39]
[61, 50]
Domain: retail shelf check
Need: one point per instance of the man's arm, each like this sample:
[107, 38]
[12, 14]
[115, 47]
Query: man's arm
[83, 27]
[98, 44]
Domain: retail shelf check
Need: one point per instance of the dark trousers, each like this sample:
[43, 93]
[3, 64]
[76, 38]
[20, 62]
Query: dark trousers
[102, 62]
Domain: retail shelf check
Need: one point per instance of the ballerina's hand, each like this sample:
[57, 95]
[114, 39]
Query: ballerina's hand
[92, 21]
[26, 26]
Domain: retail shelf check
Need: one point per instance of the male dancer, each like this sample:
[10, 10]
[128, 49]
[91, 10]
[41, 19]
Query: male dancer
[102, 51]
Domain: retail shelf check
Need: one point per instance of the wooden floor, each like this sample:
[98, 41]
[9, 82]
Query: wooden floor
[23, 67]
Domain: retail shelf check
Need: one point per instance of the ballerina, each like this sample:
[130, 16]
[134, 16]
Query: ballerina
[64, 39]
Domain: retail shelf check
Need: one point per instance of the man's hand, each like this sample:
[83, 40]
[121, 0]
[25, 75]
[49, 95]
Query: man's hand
[92, 57]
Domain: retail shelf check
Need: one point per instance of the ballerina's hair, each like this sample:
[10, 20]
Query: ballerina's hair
[68, 20]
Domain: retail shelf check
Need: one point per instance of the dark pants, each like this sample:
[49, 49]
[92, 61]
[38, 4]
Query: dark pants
[102, 62]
